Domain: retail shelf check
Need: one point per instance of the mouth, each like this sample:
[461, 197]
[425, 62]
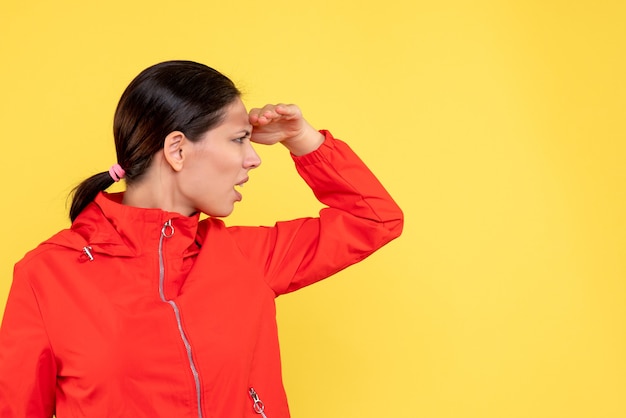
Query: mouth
[240, 184]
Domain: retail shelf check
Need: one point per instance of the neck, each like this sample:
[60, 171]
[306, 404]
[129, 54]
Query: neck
[156, 190]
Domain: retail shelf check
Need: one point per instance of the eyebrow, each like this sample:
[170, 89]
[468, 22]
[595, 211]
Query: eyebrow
[247, 132]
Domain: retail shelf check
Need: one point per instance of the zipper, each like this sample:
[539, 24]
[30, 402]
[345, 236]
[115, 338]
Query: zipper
[258, 405]
[167, 232]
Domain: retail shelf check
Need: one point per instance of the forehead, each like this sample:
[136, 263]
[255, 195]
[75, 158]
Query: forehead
[236, 116]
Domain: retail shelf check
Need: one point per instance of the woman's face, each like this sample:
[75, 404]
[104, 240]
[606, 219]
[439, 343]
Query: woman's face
[218, 163]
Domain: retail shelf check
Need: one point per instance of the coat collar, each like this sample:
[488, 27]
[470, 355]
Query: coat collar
[109, 227]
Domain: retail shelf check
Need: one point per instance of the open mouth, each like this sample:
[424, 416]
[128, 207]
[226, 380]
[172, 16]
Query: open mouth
[240, 184]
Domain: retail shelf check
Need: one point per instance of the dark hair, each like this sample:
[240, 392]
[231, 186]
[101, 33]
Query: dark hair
[171, 96]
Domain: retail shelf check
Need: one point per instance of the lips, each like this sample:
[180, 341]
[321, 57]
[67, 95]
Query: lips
[240, 184]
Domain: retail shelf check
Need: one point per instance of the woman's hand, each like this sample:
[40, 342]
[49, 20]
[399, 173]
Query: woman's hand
[284, 123]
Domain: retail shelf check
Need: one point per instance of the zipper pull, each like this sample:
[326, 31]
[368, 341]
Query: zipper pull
[87, 252]
[258, 403]
[168, 229]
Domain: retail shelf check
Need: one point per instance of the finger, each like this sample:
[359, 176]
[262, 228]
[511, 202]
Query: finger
[253, 114]
[271, 113]
[289, 111]
[260, 116]
[268, 114]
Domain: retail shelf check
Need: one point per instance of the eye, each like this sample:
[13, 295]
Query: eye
[242, 139]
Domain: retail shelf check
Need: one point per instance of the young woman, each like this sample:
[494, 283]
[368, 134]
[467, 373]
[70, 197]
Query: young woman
[140, 309]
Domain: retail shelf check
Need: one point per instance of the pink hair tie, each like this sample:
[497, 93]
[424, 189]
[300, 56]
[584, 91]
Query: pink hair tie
[116, 172]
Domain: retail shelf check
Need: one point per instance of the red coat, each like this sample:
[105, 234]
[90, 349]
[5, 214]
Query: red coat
[144, 313]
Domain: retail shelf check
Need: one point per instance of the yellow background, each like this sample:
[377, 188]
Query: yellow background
[499, 127]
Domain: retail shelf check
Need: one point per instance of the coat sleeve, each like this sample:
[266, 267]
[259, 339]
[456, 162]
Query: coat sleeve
[27, 365]
[360, 217]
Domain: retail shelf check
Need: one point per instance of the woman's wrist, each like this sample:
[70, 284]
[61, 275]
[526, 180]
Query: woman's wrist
[308, 142]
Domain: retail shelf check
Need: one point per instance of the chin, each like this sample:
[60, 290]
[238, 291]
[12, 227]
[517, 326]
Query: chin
[219, 213]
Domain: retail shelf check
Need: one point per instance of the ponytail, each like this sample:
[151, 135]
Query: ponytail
[87, 191]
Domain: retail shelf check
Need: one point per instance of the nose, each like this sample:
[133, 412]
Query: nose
[252, 159]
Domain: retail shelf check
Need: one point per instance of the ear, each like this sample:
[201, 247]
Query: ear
[173, 149]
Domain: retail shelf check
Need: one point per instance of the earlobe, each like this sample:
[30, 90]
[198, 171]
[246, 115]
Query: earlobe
[173, 149]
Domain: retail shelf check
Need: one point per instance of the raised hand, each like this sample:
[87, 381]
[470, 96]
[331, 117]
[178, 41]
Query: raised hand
[284, 123]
